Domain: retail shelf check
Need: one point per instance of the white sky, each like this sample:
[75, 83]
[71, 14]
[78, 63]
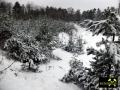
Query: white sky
[76, 4]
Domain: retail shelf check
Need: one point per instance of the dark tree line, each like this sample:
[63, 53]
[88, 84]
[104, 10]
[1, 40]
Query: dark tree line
[29, 11]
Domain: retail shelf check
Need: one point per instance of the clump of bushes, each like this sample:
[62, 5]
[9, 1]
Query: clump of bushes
[75, 46]
[32, 40]
[43, 30]
[25, 51]
[88, 78]
[49, 28]
[76, 71]
[81, 76]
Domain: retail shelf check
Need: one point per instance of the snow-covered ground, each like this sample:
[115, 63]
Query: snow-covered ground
[48, 78]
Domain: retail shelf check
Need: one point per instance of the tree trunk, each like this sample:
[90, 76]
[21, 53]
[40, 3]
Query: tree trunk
[113, 37]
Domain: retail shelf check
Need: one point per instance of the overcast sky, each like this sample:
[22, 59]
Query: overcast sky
[76, 4]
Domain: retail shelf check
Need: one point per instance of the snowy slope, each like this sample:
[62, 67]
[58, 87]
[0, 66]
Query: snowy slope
[90, 42]
[48, 78]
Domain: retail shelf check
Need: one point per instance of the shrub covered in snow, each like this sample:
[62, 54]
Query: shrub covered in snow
[43, 30]
[50, 28]
[26, 51]
[75, 46]
[83, 77]
[76, 71]
[102, 66]
[33, 40]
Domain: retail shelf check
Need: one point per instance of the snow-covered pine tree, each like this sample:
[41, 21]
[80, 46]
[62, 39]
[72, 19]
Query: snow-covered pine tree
[77, 70]
[102, 64]
[101, 67]
[108, 27]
